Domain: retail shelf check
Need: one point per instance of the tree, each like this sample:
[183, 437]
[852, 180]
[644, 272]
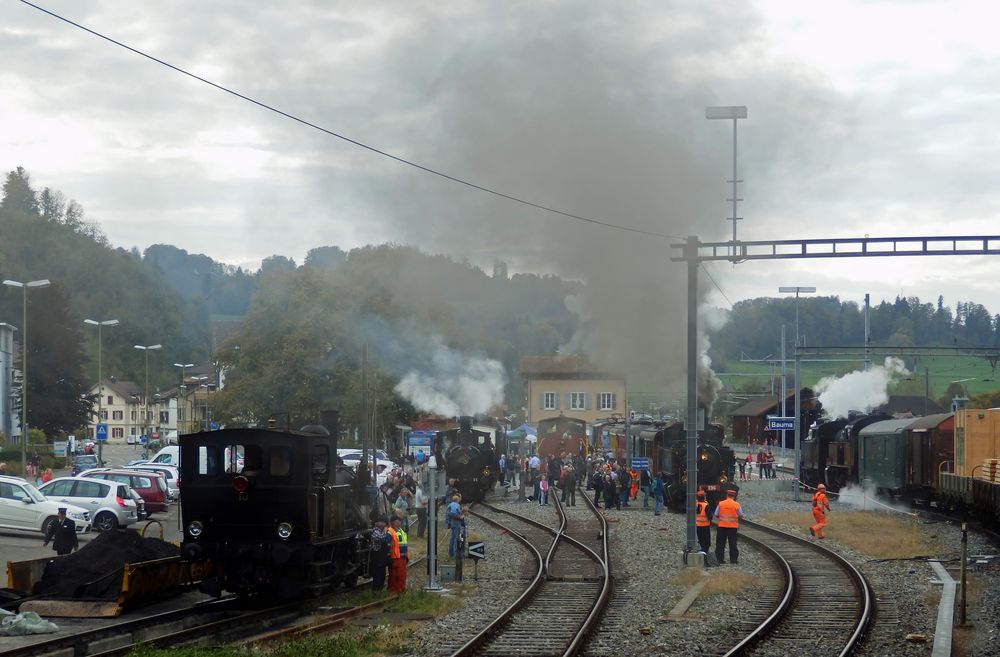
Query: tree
[52, 204]
[18, 195]
[276, 263]
[325, 257]
[59, 397]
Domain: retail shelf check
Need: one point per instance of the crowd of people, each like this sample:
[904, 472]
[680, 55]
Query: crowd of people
[765, 465]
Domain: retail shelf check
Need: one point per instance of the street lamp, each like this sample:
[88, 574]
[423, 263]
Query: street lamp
[183, 366]
[798, 394]
[208, 404]
[100, 381]
[24, 363]
[731, 112]
[147, 349]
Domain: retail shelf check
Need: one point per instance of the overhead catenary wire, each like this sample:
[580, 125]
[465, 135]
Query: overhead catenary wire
[712, 278]
[422, 167]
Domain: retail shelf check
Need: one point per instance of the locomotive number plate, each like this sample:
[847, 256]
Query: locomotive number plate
[712, 487]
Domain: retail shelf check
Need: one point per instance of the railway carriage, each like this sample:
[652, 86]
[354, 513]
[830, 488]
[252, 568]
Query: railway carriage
[562, 435]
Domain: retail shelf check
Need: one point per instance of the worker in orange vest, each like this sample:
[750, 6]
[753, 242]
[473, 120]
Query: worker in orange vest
[703, 524]
[727, 514]
[397, 558]
[820, 506]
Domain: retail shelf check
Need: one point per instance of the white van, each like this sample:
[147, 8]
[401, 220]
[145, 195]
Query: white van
[169, 455]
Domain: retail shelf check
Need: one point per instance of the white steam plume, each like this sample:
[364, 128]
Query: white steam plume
[859, 390]
[451, 383]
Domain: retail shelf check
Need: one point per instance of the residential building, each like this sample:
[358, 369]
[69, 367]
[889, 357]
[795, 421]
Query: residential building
[10, 426]
[119, 405]
[571, 386]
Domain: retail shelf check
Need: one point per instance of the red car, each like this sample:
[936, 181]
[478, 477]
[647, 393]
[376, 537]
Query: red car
[151, 486]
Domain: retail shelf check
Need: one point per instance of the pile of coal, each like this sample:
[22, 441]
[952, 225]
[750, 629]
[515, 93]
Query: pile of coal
[95, 570]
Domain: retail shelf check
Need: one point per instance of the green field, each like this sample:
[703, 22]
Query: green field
[941, 371]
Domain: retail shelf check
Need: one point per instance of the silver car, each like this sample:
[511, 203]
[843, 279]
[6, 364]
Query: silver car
[110, 503]
[23, 507]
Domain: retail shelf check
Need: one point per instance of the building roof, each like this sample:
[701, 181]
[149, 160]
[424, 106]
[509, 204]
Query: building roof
[769, 404]
[930, 421]
[915, 404]
[577, 367]
[124, 389]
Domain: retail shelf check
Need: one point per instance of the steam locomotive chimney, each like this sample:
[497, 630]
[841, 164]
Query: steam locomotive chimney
[331, 420]
[465, 423]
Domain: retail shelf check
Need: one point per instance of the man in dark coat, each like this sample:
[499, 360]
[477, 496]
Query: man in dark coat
[62, 534]
[569, 485]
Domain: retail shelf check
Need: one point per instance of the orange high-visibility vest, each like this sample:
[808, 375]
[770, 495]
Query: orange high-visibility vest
[820, 501]
[701, 515]
[394, 547]
[729, 513]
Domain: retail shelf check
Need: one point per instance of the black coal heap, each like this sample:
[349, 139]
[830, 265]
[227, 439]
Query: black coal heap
[95, 570]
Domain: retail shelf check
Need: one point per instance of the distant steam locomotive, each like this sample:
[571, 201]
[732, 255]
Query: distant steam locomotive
[469, 455]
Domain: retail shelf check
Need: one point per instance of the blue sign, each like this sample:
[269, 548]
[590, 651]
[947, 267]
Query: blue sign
[640, 463]
[214, 425]
[143, 439]
[101, 433]
[776, 423]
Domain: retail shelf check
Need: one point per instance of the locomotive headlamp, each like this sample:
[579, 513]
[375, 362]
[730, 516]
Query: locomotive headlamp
[195, 528]
[486, 472]
[703, 456]
[284, 530]
[241, 484]
[723, 479]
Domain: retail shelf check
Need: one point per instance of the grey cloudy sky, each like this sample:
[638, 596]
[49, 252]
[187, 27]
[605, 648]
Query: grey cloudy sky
[865, 118]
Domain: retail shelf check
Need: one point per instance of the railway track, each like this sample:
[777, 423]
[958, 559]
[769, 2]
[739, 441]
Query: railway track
[826, 603]
[569, 589]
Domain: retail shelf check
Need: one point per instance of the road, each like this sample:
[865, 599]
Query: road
[20, 546]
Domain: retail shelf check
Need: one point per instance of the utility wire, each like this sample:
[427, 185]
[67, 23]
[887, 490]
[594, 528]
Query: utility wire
[709, 274]
[397, 158]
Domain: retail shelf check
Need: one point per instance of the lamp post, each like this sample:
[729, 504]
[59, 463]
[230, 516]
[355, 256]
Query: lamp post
[146, 349]
[100, 380]
[183, 366]
[798, 393]
[734, 113]
[24, 363]
[208, 404]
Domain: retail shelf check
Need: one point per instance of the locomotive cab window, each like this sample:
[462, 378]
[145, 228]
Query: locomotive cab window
[280, 461]
[208, 460]
[320, 464]
[241, 459]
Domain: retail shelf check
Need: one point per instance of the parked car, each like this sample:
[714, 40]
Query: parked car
[83, 462]
[169, 455]
[131, 440]
[170, 473]
[110, 503]
[23, 507]
[151, 486]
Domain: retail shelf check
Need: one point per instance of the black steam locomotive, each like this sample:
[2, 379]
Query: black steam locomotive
[469, 455]
[272, 511]
[666, 446]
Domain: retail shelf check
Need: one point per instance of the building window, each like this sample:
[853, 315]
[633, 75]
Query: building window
[118, 415]
[164, 417]
[111, 400]
[133, 416]
[104, 415]
[608, 401]
[549, 401]
[132, 431]
[117, 432]
[577, 401]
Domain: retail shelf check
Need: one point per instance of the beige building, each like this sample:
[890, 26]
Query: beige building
[120, 406]
[571, 386]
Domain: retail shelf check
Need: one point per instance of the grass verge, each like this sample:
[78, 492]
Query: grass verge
[717, 582]
[371, 642]
[875, 534]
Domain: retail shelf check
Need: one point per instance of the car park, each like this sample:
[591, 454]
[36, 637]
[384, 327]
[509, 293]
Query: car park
[151, 486]
[110, 503]
[23, 507]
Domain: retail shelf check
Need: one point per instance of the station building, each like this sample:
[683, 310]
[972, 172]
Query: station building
[571, 386]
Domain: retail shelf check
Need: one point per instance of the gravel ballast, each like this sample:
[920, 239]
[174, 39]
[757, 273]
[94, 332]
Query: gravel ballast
[645, 562]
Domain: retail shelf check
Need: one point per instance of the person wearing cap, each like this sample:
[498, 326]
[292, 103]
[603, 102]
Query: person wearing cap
[820, 506]
[702, 523]
[62, 534]
[378, 554]
[727, 513]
